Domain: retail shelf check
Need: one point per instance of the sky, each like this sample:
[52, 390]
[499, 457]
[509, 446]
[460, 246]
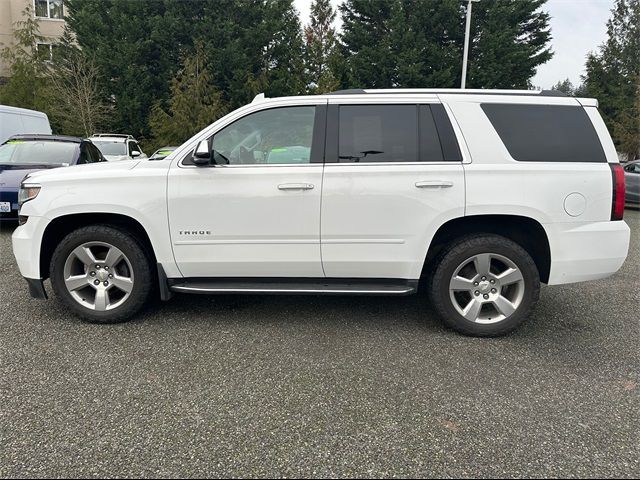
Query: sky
[577, 26]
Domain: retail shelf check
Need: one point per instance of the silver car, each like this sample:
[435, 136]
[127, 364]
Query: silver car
[632, 181]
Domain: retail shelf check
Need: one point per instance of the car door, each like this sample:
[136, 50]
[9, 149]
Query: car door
[393, 175]
[256, 213]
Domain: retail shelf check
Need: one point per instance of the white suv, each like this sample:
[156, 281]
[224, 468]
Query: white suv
[482, 195]
[116, 147]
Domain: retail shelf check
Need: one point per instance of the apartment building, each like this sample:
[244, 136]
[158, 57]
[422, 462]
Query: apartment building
[50, 16]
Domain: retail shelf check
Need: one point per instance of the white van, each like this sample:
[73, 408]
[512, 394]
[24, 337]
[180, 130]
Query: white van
[15, 121]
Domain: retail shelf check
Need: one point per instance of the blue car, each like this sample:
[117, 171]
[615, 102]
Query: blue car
[23, 154]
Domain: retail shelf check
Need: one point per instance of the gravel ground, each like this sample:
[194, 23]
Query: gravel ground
[321, 386]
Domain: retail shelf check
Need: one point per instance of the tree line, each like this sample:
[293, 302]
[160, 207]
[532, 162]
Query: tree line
[163, 69]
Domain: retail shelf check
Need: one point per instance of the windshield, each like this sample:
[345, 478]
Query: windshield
[111, 147]
[37, 152]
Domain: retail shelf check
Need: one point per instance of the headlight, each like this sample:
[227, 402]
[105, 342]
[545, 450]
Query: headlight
[27, 192]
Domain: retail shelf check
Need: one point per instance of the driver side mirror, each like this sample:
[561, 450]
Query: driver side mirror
[202, 154]
[135, 153]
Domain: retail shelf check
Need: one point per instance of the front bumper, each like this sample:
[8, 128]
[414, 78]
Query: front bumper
[26, 241]
[586, 251]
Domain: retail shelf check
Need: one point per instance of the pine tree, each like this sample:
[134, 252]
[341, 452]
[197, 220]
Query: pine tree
[366, 43]
[194, 102]
[510, 39]
[321, 48]
[613, 74]
[419, 43]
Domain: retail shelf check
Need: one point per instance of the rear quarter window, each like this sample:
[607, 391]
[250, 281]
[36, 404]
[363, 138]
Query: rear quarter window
[545, 133]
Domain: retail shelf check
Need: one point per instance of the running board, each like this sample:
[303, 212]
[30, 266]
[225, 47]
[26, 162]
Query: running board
[295, 286]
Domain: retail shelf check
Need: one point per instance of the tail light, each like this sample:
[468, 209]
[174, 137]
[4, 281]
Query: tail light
[617, 204]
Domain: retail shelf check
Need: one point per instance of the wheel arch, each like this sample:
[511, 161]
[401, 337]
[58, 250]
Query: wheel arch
[525, 231]
[60, 226]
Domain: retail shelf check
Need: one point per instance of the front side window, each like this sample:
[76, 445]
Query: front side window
[49, 9]
[276, 136]
[545, 133]
[378, 133]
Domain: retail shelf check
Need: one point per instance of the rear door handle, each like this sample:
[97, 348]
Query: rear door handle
[434, 184]
[295, 186]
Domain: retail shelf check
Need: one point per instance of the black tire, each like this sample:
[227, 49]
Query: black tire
[132, 249]
[456, 254]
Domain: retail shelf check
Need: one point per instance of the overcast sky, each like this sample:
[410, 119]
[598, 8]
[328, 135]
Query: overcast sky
[577, 26]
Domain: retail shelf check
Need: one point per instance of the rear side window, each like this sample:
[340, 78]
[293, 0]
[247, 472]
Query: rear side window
[392, 133]
[545, 133]
[378, 133]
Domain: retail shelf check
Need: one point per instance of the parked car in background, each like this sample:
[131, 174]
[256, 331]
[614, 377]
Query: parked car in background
[162, 153]
[16, 121]
[24, 154]
[116, 147]
[632, 181]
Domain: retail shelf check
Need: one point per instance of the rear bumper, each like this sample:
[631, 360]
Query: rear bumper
[586, 251]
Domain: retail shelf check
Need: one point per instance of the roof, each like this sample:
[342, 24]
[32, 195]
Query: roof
[32, 137]
[21, 111]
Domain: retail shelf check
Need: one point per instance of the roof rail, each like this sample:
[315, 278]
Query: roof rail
[409, 91]
[117, 135]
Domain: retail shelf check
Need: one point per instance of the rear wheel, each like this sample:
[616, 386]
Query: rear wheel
[101, 273]
[485, 285]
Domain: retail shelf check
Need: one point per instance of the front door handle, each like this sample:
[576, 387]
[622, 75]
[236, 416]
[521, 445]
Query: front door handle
[295, 186]
[434, 184]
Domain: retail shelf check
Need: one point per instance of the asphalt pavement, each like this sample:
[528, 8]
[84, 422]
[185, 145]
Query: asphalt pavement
[276, 386]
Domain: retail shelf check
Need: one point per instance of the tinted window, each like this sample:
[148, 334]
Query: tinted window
[430, 150]
[95, 153]
[276, 136]
[37, 152]
[546, 133]
[378, 133]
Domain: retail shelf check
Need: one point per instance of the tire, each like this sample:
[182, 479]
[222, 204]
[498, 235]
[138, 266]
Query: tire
[101, 258]
[479, 301]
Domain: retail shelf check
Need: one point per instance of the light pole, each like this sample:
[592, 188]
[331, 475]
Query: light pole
[467, 32]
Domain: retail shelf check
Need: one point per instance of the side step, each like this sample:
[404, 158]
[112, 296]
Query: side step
[290, 286]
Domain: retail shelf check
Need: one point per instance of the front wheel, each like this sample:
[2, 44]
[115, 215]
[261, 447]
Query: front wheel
[101, 273]
[485, 285]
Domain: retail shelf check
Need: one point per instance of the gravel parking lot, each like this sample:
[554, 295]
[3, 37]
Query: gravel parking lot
[321, 386]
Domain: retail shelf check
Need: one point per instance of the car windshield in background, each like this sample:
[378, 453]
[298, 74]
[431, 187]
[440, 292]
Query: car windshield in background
[111, 147]
[21, 152]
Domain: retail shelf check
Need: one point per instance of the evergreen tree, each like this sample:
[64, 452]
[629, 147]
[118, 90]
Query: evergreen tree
[366, 43]
[509, 41]
[419, 43]
[565, 86]
[134, 50]
[613, 75]
[194, 102]
[321, 48]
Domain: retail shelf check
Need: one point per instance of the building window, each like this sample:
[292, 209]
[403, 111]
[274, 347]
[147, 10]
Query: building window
[49, 9]
[45, 52]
